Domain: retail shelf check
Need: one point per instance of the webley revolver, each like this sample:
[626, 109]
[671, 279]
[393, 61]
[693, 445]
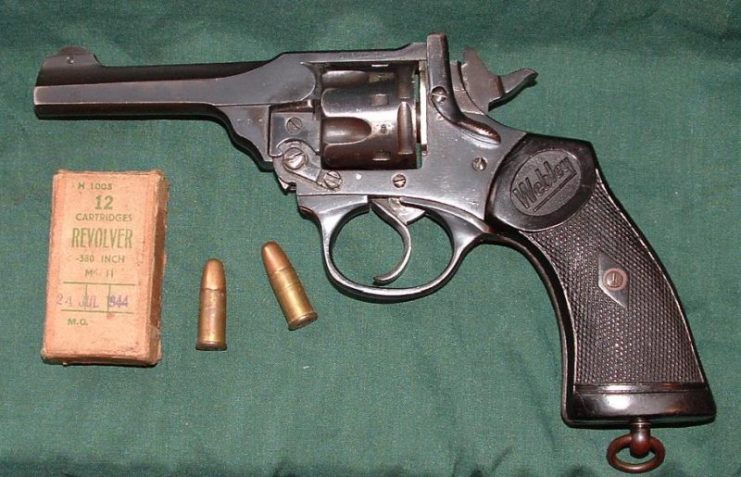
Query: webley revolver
[406, 133]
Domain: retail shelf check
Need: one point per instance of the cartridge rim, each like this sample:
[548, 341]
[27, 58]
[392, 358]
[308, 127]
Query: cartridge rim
[210, 346]
[303, 320]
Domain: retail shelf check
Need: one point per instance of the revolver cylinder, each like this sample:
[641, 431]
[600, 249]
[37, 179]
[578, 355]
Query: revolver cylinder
[369, 118]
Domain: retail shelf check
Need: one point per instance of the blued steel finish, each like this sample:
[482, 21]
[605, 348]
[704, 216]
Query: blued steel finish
[405, 133]
[368, 119]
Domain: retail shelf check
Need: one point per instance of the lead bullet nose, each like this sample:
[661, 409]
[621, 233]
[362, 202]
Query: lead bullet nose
[214, 277]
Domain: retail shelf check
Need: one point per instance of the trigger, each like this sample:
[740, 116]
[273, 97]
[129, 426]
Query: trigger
[397, 216]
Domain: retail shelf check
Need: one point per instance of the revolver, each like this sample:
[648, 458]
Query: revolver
[406, 133]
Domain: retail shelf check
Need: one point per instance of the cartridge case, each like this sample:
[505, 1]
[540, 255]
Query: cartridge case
[212, 310]
[287, 288]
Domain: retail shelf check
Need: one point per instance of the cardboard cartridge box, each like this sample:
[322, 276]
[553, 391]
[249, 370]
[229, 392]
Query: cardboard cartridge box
[106, 265]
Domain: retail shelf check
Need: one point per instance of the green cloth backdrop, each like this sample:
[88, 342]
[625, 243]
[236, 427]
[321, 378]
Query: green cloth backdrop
[464, 382]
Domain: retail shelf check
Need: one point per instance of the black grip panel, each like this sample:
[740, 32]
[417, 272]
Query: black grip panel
[628, 351]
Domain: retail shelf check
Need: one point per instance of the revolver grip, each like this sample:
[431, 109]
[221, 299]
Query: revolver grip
[627, 349]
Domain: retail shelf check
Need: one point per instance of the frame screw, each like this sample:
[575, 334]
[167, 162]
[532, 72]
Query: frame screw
[294, 125]
[439, 95]
[332, 180]
[294, 158]
[399, 181]
[479, 164]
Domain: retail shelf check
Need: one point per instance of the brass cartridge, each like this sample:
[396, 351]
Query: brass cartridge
[212, 312]
[287, 287]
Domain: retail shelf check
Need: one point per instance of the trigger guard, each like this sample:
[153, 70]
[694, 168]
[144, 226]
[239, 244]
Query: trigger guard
[332, 212]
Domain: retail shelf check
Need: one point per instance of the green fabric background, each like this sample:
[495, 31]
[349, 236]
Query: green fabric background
[464, 382]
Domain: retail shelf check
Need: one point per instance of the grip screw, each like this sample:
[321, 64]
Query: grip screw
[615, 279]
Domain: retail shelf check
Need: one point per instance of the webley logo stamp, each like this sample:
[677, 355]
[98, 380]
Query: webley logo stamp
[545, 182]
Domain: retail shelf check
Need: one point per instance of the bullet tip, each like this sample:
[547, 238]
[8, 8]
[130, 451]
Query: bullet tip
[214, 277]
[274, 257]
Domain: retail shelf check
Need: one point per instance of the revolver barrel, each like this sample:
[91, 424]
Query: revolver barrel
[73, 83]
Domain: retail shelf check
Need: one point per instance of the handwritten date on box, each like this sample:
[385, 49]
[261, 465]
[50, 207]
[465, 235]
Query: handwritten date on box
[92, 297]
